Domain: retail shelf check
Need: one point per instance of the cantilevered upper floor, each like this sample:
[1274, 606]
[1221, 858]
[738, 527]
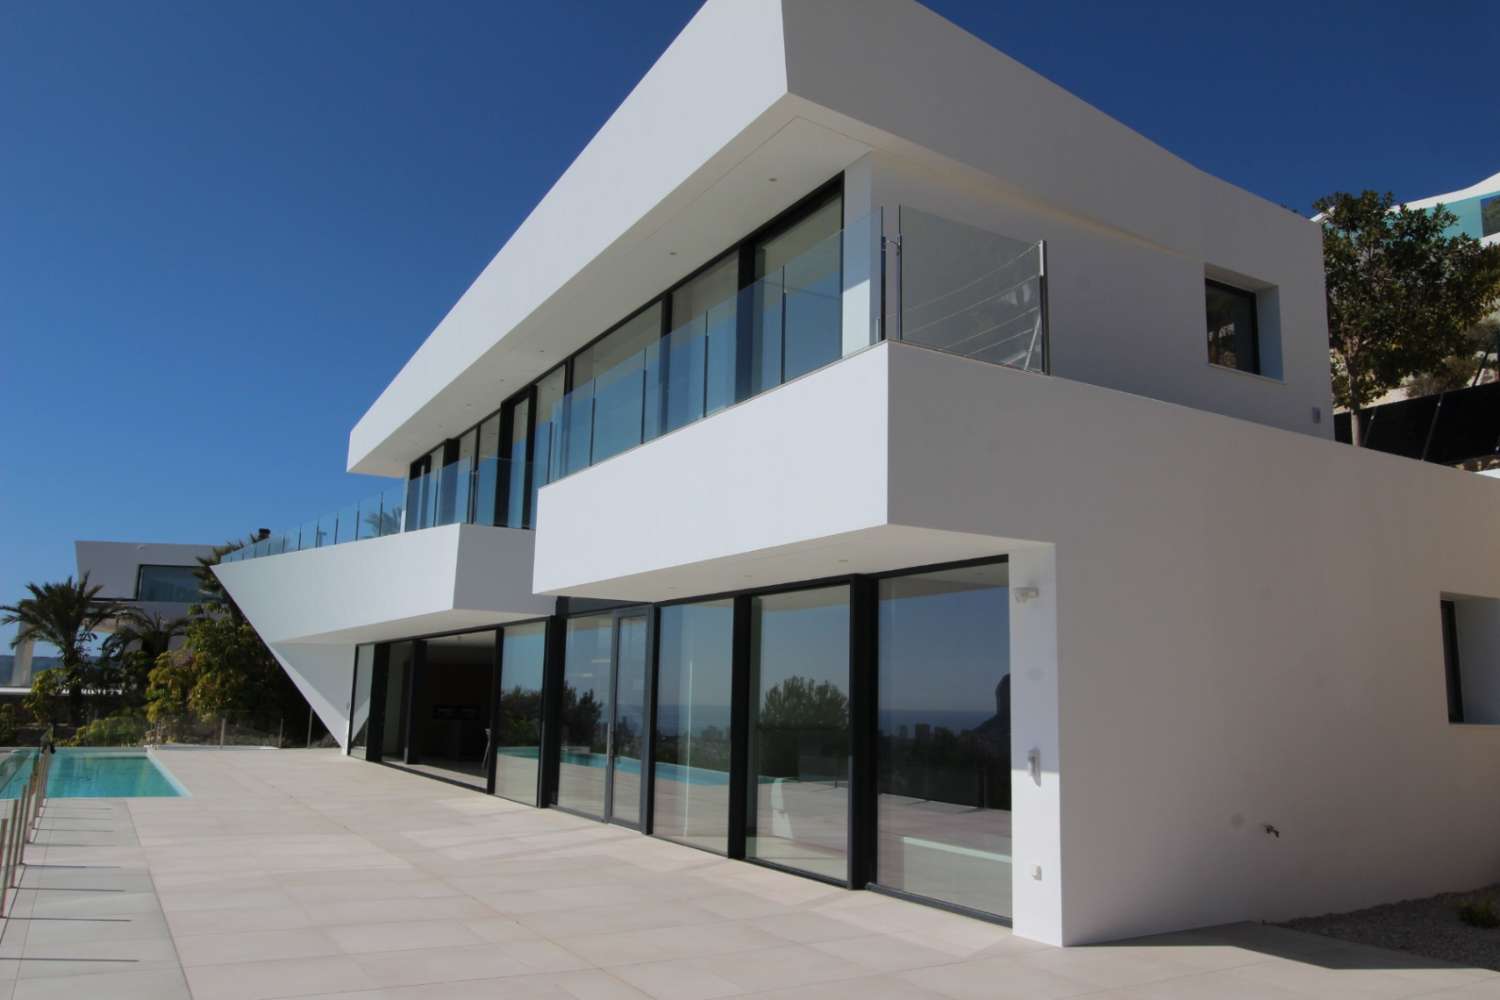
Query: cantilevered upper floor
[833, 160]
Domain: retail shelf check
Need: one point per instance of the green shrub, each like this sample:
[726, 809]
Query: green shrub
[123, 730]
[8, 725]
[1479, 913]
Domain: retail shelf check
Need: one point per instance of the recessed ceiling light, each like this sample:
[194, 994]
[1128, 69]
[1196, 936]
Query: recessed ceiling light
[671, 253]
[772, 180]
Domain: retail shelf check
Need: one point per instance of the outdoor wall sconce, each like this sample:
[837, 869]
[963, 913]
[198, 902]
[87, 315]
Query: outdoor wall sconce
[1024, 594]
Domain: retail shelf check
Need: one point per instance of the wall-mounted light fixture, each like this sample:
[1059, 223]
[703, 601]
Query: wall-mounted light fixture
[1024, 594]
[1034, 765]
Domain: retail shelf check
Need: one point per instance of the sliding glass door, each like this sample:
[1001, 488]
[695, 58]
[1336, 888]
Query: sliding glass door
[695, 656]
[603, 716]
[798, 783]
[944, 819]
[518, 729]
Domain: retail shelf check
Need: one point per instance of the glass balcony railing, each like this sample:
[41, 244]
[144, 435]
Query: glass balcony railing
[790, 322]
[461, 492]
[958, 289]
[971, 292]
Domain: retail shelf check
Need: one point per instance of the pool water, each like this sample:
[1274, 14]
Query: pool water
[85, 773]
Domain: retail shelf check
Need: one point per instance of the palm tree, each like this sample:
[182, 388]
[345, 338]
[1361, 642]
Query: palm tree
[137, 642]
[66, 615]
[209, 584]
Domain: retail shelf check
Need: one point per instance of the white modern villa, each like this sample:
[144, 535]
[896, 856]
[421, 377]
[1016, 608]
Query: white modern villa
[871, 461]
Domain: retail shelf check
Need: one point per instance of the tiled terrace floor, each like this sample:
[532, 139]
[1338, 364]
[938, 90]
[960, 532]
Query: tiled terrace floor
[304, 873]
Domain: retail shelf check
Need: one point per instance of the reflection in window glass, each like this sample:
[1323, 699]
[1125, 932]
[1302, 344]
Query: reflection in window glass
[803, 265]
[585, 715]
[626, 741]
[547, 449]
[695, 657]
[174, 584]
[799, 730]
[1231, 328]
[359, 706]
[515, 470]
[518, 737]
[463, 476]
[1489, 216]
[613, 402]
[699, 358]
[944, 819]
[487, 471]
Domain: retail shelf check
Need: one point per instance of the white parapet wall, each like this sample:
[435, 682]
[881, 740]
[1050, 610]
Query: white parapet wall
[313, 608]
[1238, 628]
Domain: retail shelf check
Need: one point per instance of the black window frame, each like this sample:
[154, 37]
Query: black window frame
[743, 249]
[140, 578]
[1452, 668]
[1254, 301]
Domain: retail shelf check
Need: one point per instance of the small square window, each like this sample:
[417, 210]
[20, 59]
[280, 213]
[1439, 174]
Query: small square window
[1233, 340]
[1471, 658]
[1489, 215]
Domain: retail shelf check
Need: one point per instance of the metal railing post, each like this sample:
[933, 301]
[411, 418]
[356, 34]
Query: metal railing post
[15, 841]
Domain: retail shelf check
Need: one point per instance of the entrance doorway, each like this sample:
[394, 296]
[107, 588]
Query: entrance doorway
[450, 732]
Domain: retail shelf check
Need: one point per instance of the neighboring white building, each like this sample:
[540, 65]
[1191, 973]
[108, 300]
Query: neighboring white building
[154, 578]
[1476, 206]
[871, 460]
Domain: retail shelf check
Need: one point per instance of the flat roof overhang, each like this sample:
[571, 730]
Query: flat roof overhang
[759, 89]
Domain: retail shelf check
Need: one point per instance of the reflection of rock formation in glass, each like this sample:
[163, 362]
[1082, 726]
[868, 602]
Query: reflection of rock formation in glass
[993, 734]
[971, 767]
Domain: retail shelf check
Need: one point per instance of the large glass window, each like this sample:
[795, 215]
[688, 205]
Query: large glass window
[944, 820]
[174, 584]
[585, 715]
[799, 306]
[440, 488]
[515, 462]
[518, 737]
[694, 666]
[608, 397]
[463, 475]
[799, 730]
[359, 701]
[1232, 340]
[547, 450]
[487, 471]
[393, 732]
[696, 368]
[627, 737]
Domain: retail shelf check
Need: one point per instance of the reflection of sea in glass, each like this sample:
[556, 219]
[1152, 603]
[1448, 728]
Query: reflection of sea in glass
[799, 730]
[944, 821]
[692, 723]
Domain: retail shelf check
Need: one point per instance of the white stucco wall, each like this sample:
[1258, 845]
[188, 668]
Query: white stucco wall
[1237, 626]
[313, 608]
[1247, 634]
[803, 91]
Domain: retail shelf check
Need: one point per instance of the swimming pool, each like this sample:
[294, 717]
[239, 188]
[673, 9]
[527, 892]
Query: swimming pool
[83, 772]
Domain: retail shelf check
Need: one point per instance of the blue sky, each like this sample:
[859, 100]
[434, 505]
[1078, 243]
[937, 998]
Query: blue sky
[223, 227]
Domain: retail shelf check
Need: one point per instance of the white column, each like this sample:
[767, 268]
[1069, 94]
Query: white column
[20, 675]
[1036, 794]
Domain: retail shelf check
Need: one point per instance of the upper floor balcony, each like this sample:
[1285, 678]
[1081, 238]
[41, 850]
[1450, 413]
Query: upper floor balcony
[820, 296]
